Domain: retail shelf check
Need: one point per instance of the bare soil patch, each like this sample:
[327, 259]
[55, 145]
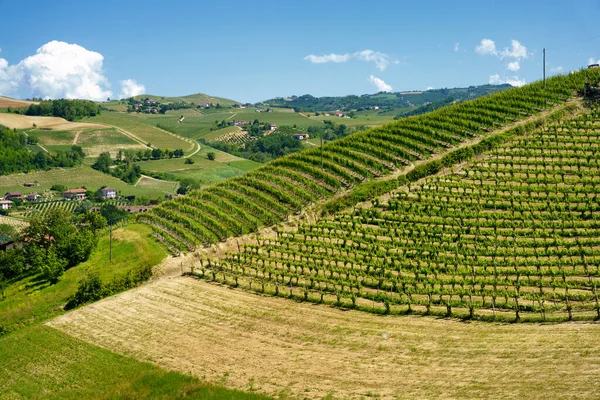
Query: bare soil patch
[277, 346]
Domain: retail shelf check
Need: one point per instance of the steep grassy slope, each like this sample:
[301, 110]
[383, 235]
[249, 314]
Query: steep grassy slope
[281, 188]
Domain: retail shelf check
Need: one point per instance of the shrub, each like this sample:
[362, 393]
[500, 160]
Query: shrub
[211, 155]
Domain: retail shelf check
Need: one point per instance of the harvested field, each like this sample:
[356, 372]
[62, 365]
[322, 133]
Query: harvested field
[6, 102]
[310, 351]
[59, 124]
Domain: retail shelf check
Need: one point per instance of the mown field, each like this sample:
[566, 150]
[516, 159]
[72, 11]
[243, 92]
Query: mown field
[296, 350]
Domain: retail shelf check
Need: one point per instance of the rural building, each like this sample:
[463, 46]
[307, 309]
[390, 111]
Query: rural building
[5, 204]
[33, 196]
[339, 114]
[240, 123]
[300, 136]
[129, 209]
[75, 194]
[273, 127]
[13, 196]
[593, 65]
[29, 184]
[109, 193]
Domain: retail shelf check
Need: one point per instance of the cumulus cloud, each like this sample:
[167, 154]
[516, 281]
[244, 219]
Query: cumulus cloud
[381, 60]
[593, 60]
[57, 70]
[380, 84]
[516, 52]
[514, 66]
[456, 46]
[513, 80]
[130, 88]
[429, 88]
[486, 46]
[557, 70]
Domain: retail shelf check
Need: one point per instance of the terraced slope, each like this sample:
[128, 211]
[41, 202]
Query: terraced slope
[514, 234]
[281, 188]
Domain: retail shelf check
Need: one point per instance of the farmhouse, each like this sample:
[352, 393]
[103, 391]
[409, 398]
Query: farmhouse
[5, 204]
[593, 65]
[75, 194]
[108, 193]
[300, 136]
[29, 184]
[339, 114]
[13, 196]
[33, 196]
[240, 123]
[273, 127]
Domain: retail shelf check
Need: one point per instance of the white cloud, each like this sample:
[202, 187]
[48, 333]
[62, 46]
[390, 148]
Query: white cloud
[513, 80]
[58, 70]
[130, 88]
[557, 70]
[337, 58]
[592, 60]
[429, 88]
[456, 46]
[486, 46]
[514, 66]
[381, 60]
[380, 84]
[517, 51]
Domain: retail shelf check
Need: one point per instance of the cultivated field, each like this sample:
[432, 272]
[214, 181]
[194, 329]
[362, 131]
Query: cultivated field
[92, 141]
[82, 176]
[6, 102]
[14, 222]
[58, 124]
[281, 347]
[144, 133]
[157, 184]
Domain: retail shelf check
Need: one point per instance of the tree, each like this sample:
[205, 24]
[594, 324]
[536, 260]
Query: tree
[211, 155]
[157, 153]
[187, 184]
[103, 162]
[94, 220]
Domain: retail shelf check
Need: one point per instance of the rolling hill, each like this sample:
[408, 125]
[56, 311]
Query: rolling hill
[425, 246]
[198, 98]
[6, 102]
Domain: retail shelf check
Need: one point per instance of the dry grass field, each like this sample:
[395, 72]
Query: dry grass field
[298, 350]
[19, 121]
[6, 102]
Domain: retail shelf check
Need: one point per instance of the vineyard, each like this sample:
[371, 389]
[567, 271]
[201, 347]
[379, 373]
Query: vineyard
[274, 192]
[234, 137]
[18, 224]
[512, 235]
[69, 206]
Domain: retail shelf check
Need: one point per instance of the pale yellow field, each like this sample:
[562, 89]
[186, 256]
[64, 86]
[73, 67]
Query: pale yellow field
[6, 102]
[277, 346]
[58, 124]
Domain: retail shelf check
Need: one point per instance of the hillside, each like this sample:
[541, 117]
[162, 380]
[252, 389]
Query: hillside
[198, 98]
[6, 102]
[285, 186]
[384, 100]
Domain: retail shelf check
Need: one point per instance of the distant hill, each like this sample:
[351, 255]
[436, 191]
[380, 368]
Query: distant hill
[6, 102]
[198, 98]
[384, 100]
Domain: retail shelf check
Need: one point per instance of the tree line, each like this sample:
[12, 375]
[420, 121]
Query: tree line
[68, 109]
[15, 156]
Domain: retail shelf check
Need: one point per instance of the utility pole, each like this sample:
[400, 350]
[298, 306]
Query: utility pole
[544, 68]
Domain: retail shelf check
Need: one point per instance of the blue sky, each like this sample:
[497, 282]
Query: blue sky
[254, 50]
